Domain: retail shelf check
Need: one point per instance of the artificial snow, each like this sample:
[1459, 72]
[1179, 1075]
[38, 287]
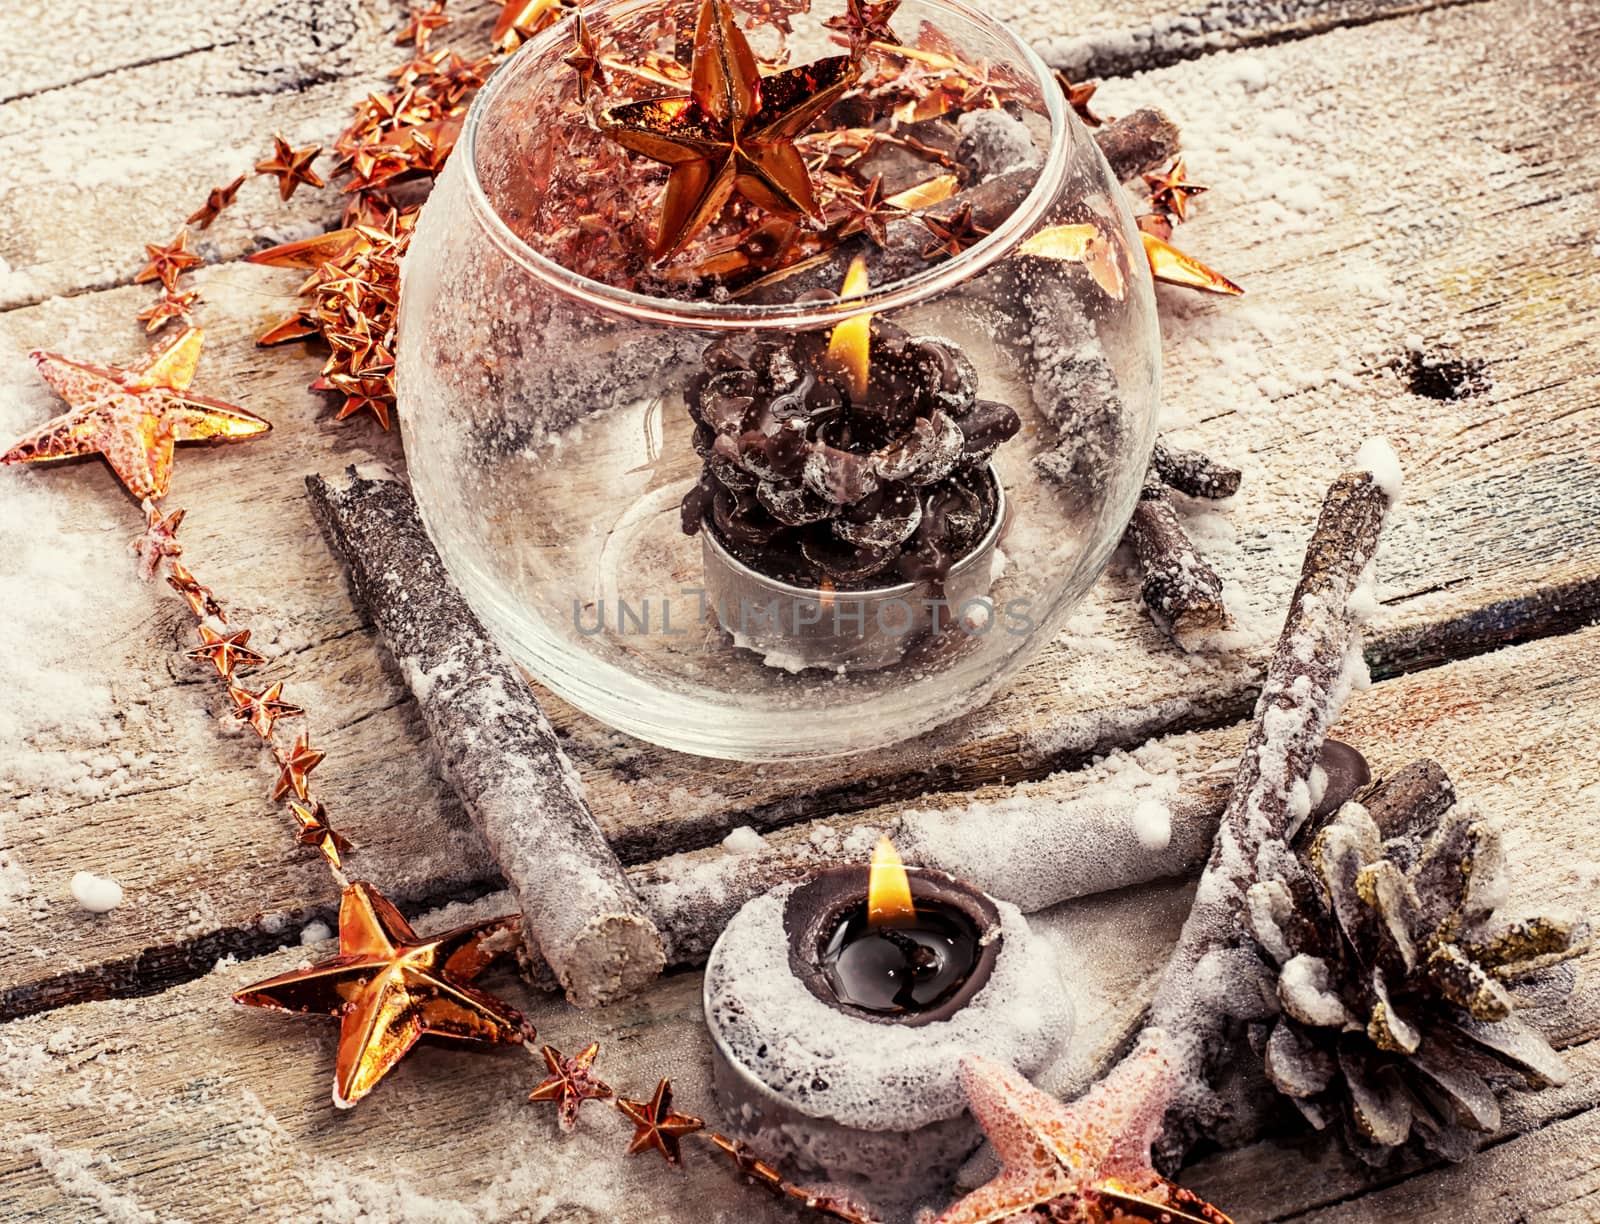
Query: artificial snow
[314, 933]
[744, 840]
[1305, 986]
[1152, 825]
[1377, 457]
[95, 893]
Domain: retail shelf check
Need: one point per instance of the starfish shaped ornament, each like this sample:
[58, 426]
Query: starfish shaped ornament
[133, 416]
[1087, 1161]
[734, 131]
[388, 987]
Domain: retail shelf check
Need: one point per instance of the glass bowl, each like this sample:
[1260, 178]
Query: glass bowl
[698, 518]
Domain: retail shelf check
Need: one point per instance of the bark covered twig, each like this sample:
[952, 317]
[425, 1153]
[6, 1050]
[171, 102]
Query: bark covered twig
[1181, 591]
[1317, 660]
[579, 912]
[1193, 473]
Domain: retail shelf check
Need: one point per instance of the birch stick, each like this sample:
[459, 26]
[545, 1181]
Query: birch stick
[580, 915]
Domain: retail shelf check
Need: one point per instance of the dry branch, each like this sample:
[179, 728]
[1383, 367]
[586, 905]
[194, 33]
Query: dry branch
[1181, 591]
[1311, 672]
[1193, 473]
[499, 750]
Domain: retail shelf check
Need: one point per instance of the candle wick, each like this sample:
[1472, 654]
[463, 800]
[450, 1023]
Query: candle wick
[920, 959]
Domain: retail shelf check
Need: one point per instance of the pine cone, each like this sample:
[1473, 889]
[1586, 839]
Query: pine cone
[1394, 977]
[803, 483]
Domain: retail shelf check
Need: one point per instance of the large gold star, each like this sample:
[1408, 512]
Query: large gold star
[389, 988]
[1090, 1158]
[132, 416]
[734, 131]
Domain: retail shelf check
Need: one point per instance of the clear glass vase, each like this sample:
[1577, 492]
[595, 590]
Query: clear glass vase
[627, 493]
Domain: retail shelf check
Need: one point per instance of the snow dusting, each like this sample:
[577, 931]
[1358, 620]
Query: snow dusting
[95, 893]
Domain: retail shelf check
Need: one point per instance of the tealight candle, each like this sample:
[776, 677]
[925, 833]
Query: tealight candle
[839, 1061]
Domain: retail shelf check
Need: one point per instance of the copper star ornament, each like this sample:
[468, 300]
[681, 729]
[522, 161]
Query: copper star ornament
[1087, 1161]
[657, 1125]
[734, 131]
[389, 987]
[158, 541]
[290, 166]
[167, 307]
[865, 22]
[520, 20]
[419, 29]
[132, 416]
[263, 709]
[869, 213]
[315, 831]
[168, 262]
[1171, 190]
[294, 765]
[1172, 266]
[217, 199]
[952, 234]
[1077, 96]
[199, 598]
[226, 651]
[584, 59]
[570, 1083]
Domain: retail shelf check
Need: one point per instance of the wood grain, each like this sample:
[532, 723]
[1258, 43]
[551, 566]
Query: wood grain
[1499, 540]
[92, 177]
[182, 1104]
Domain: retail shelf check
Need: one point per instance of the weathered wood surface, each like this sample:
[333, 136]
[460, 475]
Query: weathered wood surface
[1500, 538]
[185, 1106]
[1369, 191]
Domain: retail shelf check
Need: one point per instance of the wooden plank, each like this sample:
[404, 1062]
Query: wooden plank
[1119, 43]
[1500, 540]
[92, 178]
[1547, 1169]
[186, 1106]
[182, 1105]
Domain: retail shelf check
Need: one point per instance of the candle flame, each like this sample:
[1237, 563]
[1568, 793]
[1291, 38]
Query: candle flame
[850, 341]
[888, 889]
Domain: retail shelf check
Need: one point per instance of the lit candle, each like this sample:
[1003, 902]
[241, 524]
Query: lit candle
[834, 1060]
[891, 956]
[849, 342]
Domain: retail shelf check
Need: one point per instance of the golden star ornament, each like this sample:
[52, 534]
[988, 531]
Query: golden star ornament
[734, 131]
[389, 987]
[571, 1082]
[657, 1126]
[1086, 1161]
[315, 831]
[133, 416]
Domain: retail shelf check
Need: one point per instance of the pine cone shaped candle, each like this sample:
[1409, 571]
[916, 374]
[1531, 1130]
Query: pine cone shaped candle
[813, 484]
[1394, 976]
